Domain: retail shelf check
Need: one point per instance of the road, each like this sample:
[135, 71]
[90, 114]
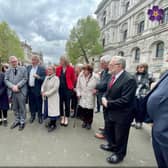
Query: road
[69, 146]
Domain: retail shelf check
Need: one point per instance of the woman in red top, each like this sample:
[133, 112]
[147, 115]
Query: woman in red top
[66, 74]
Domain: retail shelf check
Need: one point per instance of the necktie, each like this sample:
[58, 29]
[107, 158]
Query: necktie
[15, 71]
[112, 81]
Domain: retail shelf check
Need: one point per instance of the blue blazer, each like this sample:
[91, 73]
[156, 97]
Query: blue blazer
[38, 82]
[157, 108]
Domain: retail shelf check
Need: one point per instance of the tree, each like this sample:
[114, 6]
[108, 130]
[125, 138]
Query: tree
[84, 40]
[9, 43]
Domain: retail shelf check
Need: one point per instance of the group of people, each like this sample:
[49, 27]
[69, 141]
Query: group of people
[51, 92]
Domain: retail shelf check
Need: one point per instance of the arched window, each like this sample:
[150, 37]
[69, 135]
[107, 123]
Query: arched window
[121, 53]
[104, 18]
[127, 6]
[141, 27]
[140, 23]
[124, 31]
[165, 17]
[103, 42]
[159, 50]
[137, 54]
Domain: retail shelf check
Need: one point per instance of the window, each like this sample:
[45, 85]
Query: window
[125, 35]
[127, 6]
[137, 54]
[104, 18]
[141, 26]
[121, 53]
[159, 50]
[165, 17]
[103, 42]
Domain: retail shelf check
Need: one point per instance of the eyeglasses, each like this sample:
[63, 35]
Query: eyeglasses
[13, 61]
[114, 64]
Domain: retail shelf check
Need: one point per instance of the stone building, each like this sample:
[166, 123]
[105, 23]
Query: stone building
[27, 51]
[127, 31]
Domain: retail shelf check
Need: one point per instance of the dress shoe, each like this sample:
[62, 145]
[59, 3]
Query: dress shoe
[88, 126]
[40, 120]
[107, 147]
[114, 159]
[73, 116]
[14, 125]
[21, 127]
[52, 128]
[66, 122]
[5, 123]
[97, 111]
[84, 125]
[31, 120]
[138, 125]
[100, 136]
[133, 124]
[62, 121]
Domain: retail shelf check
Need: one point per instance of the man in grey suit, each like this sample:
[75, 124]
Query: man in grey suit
[16, 81]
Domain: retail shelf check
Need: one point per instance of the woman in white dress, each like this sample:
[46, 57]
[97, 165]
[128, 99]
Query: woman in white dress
[49, 91]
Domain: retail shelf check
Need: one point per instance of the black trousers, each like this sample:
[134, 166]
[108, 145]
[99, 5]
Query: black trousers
[53, 122]
[117, 137]
[138, 110]
[65, 99]
[4, 112]
[35, 103]
[86, 115]
[98, 102]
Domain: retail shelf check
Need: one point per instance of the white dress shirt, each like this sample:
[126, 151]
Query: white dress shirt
[32, 78]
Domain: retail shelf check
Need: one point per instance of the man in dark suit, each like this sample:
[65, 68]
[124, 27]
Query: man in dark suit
[36, 75]
[118, 104]
[101, 87]
[157, 105]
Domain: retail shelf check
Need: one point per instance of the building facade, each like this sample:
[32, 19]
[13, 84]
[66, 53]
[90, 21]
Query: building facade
[127, 31]
[27, 51]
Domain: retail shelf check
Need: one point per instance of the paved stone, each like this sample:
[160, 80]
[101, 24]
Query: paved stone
[68, 146]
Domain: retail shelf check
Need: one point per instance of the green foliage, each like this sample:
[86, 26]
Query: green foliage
[84, 40]
[9, 43]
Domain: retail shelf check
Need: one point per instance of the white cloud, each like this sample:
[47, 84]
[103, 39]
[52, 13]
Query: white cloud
[45, 24]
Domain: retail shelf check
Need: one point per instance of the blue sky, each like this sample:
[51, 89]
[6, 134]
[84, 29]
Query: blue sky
[45, 24]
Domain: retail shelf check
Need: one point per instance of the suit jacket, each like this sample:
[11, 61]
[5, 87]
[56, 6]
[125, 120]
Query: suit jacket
[144, 101]
[157, 104]
[4, 103]
[19, 79]
[120, 99]
[38, 82]
[70, 76]
[102, 84]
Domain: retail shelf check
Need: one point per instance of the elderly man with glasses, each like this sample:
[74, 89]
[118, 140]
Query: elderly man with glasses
[16, 81]
[118, 107]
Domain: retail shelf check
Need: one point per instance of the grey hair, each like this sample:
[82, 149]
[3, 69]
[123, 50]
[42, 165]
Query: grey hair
[106, 58]
[120, 60]
[36, 57]
[13, 57]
